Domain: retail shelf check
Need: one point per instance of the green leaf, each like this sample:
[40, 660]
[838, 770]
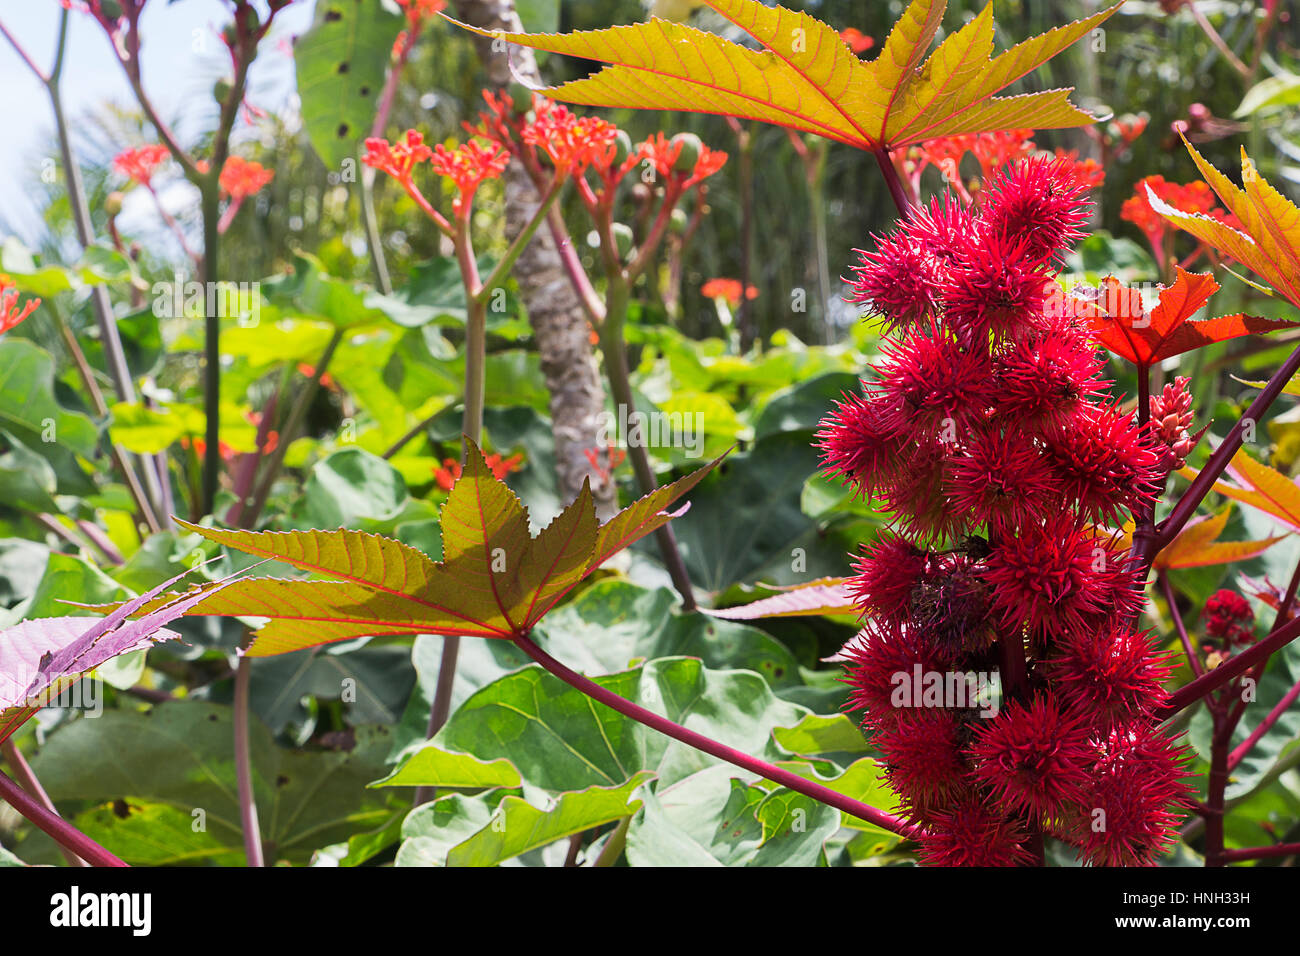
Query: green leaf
[341, 62]
[349, 485]
[154, 834]
[178, 754]
[747, 522]
[452, 771]
[517, 826]
[28, 408]
[817, 734]
[1280, 90]
[559, 739]
[430, 831]
[713, 819]
[27, 480]
[803, 405]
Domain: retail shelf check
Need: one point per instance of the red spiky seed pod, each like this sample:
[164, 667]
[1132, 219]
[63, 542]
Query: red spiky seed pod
[922, 753]
[1035, 758]
[1040, 201]
[1128, 814]
[896, 281]
[1114, 674]
[887, 574]
[856, 446]
[996, 289]
[1003, 480]
[929, 387]
[1106, 463]
[1045, 376]
[970, 833]
[1060, 577]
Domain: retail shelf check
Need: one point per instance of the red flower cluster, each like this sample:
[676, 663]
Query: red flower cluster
[10, 311]
[1194, 197]
[728, 289]
[468, 165]
[574, 144]
[447, 474]
[241, 178]
[571, 141]
[397, 159]
[985, 432]
[1171, 420]
[858, 41]
[139, 163]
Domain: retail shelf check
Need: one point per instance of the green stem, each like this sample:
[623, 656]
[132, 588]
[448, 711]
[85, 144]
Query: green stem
[615, 845]
[292, 425]
[210, 203]
[507, 262]
[614, 350]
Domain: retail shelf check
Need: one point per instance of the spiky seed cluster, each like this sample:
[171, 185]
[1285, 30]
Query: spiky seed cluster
[986, 431]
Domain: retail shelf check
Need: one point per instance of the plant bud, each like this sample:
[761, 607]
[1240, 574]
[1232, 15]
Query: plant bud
[113, 203]
[677, 222]
[221, 89]
[622, 147]
[623, 239]
[690, 154]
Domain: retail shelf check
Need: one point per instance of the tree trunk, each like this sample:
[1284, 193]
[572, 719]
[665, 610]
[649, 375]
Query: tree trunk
[559, 323]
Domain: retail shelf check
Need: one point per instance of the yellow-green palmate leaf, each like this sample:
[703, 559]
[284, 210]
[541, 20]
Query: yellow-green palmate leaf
[805, 77]
[1256, 484]
[1269, 241]
[1198, 545]
[495, 579]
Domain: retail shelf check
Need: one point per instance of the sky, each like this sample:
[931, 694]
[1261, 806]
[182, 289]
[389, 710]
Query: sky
[182, 58]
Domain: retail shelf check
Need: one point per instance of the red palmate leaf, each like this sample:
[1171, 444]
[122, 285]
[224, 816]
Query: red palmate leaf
[1121, 323]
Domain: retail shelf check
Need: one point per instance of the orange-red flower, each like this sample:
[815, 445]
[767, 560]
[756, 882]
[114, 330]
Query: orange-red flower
[241, 178]
[1086, 172]
[418, 11]
[139, 163]
[663, 153]
[728, 289]
[500, 467]
[992, 150]
[468, 165]
[858, 41]
[10, 312]
[397, 159]
[1194, 197]
[572, 142]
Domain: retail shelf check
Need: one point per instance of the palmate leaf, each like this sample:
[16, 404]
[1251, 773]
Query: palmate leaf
[816, 598]
[807, 78]
[1120, 322]
[1259, 486]
[42, 657]
[1269, 241]
[1198, 545]
[495, 579]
